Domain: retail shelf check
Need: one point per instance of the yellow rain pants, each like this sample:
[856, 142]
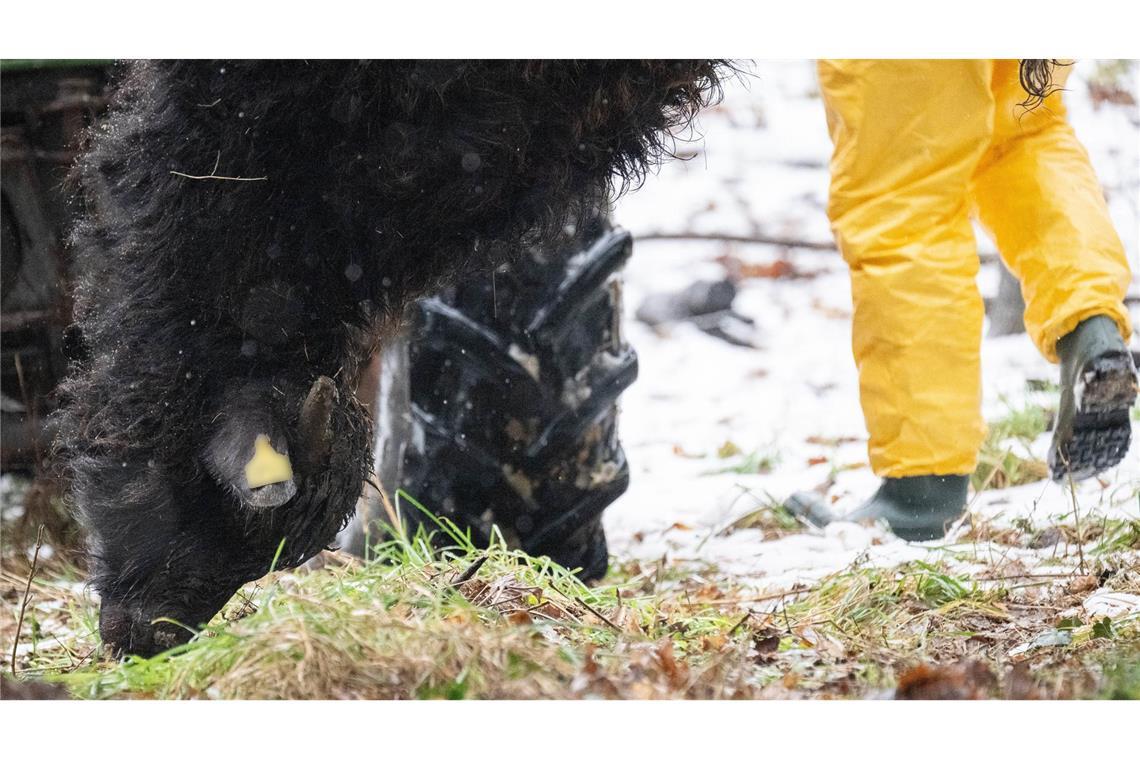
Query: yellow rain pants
[920, 145]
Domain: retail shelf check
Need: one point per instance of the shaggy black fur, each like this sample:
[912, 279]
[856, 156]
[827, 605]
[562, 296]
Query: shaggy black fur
[248, 226]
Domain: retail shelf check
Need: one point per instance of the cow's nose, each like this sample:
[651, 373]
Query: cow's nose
[114, 628]
[126, 630]
[166, 636]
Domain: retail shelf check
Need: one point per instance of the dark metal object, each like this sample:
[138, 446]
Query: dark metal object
[500, 409]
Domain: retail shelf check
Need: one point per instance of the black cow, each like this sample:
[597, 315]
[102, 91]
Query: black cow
[249, 230]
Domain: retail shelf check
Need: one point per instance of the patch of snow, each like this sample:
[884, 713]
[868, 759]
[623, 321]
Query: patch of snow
[1111, 604]
[1051, 638]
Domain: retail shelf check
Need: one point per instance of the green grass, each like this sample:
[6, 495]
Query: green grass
[1004, 459]
[1122, 676]
[396, 626]
[1118, 536]
[755, 462]
[407, 625]
[1024, 424]
[870, 604]
[771, 517]
[458, 622]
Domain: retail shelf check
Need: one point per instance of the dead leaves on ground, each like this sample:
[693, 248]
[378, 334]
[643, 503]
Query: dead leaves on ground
[780, 269]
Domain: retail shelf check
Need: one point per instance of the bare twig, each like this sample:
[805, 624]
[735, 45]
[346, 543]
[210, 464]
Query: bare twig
[753, 599]
[27, 594]
[591, 610]
[393, 515]
[599, 615]
[1024, 576]
[1076, 512]
[469, 573]
[726, 238]
[659, 571]
[739, 623]
[784, 610]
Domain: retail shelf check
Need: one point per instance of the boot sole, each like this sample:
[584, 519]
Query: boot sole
[1102, 430]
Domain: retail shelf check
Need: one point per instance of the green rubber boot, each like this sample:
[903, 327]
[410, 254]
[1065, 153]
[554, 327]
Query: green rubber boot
[918, 508]
[1098, 388]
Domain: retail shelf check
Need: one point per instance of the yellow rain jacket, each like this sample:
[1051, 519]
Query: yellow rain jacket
[921, 145]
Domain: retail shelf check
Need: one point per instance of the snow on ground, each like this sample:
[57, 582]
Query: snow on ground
[761, 168]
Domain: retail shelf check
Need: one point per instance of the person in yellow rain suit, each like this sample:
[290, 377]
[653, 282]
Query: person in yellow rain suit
[920, 145]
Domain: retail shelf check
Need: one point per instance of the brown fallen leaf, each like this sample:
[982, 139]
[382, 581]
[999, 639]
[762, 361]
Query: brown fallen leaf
[709, 591]
[1083, 584]
[779, 269]
[964, 680]
[519, 617]
[817, 460]
[820, 440]
[713, 643]
[589, 664]
[678, 451]
[767, 643]
[677, 672]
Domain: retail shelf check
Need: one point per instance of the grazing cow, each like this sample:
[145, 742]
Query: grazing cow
[250, 231]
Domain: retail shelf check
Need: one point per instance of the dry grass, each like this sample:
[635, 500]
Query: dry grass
[417, 622]
[1004, 460]
[408, 625]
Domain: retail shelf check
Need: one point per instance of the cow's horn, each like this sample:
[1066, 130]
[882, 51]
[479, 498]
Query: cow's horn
[316, 425]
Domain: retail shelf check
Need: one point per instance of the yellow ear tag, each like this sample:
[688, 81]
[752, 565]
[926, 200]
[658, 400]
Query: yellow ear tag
[267, 466]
